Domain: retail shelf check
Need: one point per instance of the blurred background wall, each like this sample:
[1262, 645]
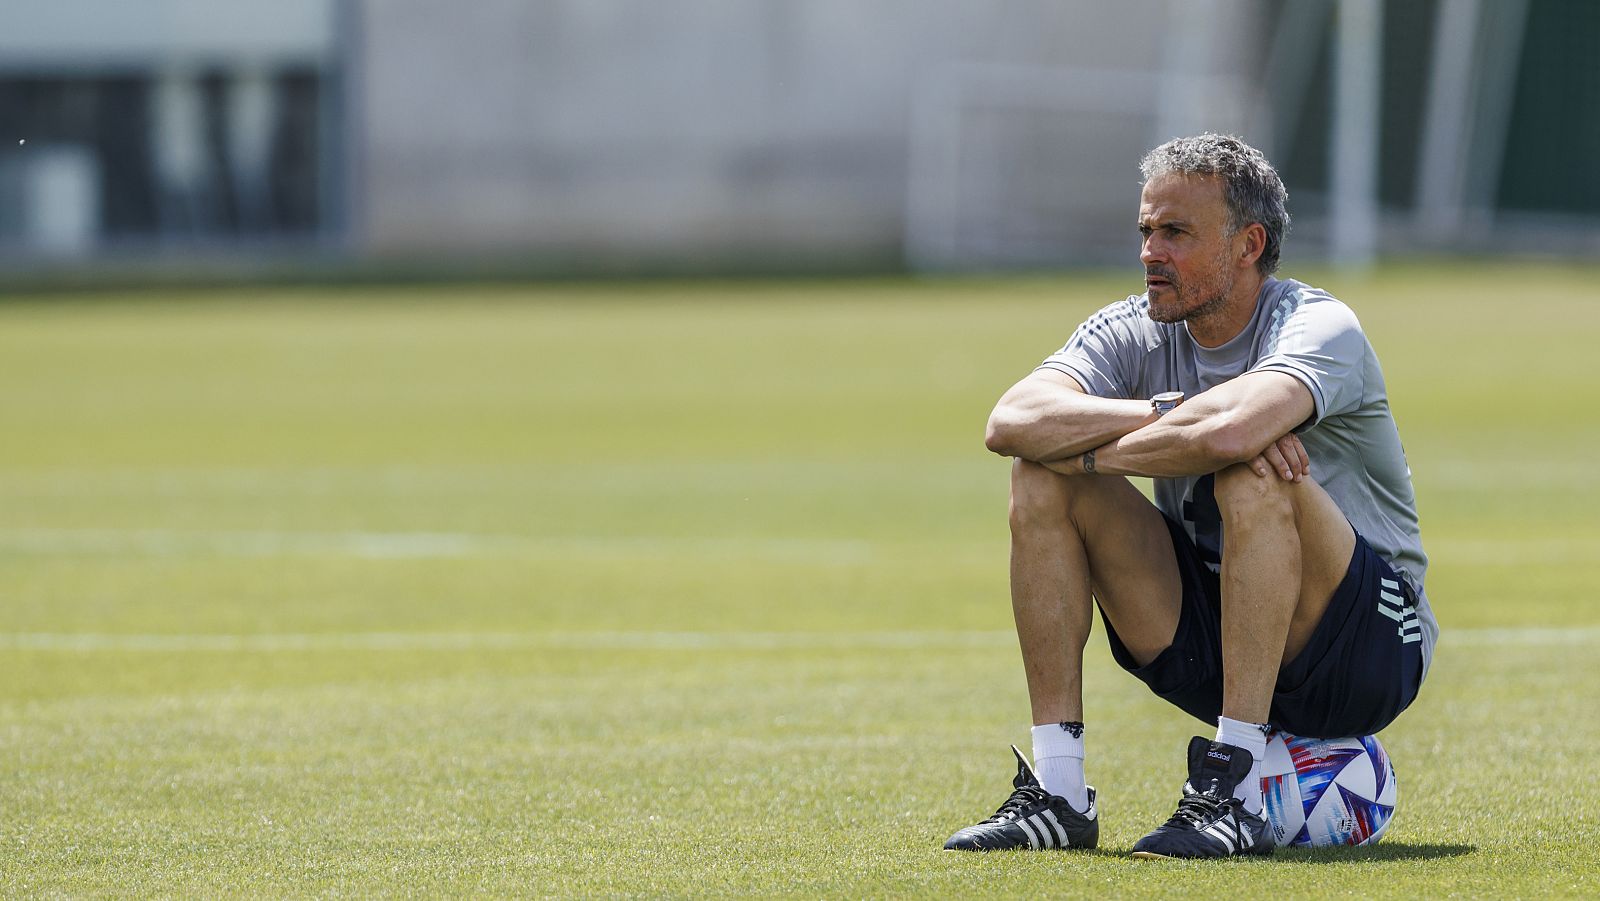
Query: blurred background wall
[629, 135]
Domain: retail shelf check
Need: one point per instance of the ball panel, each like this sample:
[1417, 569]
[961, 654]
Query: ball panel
[1283, 809]
[1367, 818]
[1277, 761]
[1387, 791]
[1332, 822]
[1318, 761]
[1358, 776]
[1337, 791]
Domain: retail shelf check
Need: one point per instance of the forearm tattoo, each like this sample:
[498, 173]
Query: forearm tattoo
[1088, 461]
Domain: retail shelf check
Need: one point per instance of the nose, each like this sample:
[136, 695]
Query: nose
[1150, 251]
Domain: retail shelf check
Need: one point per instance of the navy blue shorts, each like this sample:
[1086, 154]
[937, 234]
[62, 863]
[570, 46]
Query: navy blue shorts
[1354, 676]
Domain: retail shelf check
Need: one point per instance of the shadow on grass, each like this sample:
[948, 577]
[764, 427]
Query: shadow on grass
[1385, 851]
[1381, 853]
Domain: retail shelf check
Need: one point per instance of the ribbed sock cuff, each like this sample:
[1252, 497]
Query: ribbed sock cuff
[1058, 740]
[1250, 736]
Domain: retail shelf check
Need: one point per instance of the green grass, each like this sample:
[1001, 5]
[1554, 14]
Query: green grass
[692, 589]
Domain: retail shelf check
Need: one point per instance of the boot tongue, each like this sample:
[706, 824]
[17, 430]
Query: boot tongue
[1025, 776]
[1216, 768]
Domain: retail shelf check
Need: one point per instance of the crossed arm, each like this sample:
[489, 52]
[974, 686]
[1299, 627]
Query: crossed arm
[1049, 419]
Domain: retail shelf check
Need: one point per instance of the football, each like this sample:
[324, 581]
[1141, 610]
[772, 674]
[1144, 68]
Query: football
[1324, 792]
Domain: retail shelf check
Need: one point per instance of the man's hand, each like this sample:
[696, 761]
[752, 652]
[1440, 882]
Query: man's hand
[1286, 457]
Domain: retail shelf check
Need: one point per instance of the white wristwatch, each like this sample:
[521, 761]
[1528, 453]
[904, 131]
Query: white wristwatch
[1164, 402]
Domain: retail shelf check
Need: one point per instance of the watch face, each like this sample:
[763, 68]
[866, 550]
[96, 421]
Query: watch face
[1168, 397]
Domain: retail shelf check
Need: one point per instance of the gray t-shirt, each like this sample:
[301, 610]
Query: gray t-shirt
[1351, 437]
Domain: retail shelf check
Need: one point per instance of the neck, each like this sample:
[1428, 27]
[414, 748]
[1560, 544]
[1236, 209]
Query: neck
[1217, 328]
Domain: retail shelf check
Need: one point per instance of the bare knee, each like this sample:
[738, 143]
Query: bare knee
[1039, 497]
[1246, 499]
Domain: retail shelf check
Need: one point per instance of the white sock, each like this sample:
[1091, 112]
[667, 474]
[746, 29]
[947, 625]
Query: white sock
[1253, 738]
[1058, 761]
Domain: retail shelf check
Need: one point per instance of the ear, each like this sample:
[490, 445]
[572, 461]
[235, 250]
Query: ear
[1255, 244]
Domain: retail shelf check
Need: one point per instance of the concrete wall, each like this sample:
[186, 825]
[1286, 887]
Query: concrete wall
[624, 128]
[44, 36]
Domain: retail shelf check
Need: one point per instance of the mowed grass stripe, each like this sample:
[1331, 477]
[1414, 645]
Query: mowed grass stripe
[381, 545]
[1502, 551]
[640, 640]
[459, 641]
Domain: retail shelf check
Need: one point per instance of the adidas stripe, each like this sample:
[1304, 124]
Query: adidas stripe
[1027, 829]
[1043, 830]
[1060, 830]
[1220, 833]
[1393, 604]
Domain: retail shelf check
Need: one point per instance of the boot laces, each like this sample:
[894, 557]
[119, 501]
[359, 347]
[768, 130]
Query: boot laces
[1025, 796]
[1197, 808]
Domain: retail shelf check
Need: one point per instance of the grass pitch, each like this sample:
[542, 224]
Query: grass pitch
[692, 589]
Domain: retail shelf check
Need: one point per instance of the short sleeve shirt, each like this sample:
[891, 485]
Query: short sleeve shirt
[1351, 437]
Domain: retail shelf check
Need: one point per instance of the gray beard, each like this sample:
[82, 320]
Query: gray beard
[1209, 308]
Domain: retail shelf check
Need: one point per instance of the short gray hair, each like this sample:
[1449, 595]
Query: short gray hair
[1251, 187]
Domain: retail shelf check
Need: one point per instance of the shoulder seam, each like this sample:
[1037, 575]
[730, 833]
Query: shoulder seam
[1107, 317]
[1286, 305]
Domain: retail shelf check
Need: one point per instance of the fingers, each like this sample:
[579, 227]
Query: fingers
[1261, 466]
[1294, 454]
[1285, 458]
[1277, 461]
[1290, 468]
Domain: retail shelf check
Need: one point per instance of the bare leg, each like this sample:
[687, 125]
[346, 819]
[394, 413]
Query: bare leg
[1286, 546]
[1074, 539]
